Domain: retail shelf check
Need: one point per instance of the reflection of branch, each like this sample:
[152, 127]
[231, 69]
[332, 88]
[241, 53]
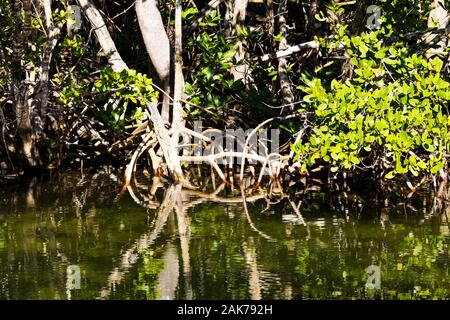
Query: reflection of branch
[130, 256]
[147, 203]
[169, 275]
[262, 234]
[215, 198]
[250, 259]
[175, 198]
[297, 211]
[185, 237]
[147, 141]
[245, 155]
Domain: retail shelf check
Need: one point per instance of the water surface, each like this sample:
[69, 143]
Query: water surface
[73, 237]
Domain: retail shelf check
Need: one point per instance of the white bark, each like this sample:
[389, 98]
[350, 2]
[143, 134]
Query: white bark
[157, 44]
[52, 40]
[239, 71]
[103, 36]
[169, 150]
[291, 50]
[178, 113]
[438, 15]
[47, 5]
[155, 37]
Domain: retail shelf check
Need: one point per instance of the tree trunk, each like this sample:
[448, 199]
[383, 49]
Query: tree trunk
[270, 17]
[103, 36]
[239, 71]
[157, 44]
[22, 85]
[288, 96]
[41, 103]
[178, 114]
[170, 150]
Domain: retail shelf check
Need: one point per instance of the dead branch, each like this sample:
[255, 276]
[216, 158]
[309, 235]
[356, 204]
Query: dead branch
[107, 44]
[102, 35]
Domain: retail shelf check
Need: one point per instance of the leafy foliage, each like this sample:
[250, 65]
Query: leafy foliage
[212, 84]
[134, 88]
[391, 116]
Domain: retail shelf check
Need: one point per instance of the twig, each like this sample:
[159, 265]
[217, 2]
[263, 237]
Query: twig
[290, 50]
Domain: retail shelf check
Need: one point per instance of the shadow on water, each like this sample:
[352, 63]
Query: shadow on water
[73, 237]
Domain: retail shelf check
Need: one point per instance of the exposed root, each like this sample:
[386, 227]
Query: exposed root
[214, 154]
[148, 141]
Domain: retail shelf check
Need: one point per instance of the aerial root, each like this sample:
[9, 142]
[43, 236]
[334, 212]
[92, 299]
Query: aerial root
[274, 163]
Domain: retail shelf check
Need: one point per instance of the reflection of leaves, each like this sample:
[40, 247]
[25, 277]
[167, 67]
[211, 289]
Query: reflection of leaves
[422, 253]
[151, 265]
[302, 260]
[147, 280]
[417, 249]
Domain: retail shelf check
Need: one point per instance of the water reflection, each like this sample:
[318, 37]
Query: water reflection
[159, 242]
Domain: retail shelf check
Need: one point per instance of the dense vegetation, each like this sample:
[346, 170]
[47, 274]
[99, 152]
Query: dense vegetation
[359, 90]
[354, 87]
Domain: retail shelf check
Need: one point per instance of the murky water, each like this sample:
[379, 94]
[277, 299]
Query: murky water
[72, 237]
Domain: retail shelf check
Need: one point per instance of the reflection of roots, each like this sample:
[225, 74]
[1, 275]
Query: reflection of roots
[187, 198]
[176, 200]
[130, 256]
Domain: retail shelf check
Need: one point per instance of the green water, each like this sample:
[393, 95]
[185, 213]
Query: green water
[183, 245]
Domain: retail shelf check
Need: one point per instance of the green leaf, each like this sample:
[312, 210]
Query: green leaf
[278, 37]
[229, 54]
[390, 174]
[390, 61]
